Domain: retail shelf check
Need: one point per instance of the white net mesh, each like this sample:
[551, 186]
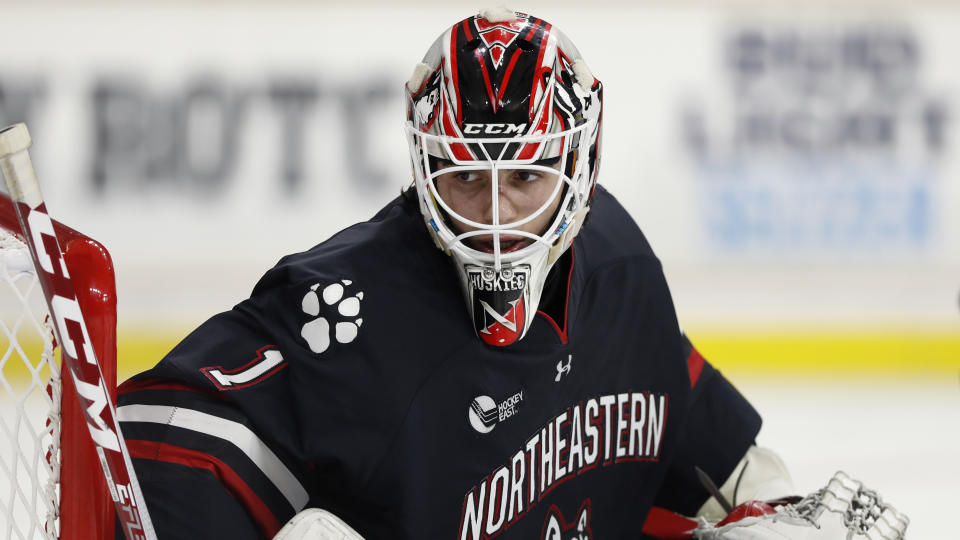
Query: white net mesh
[29, 402]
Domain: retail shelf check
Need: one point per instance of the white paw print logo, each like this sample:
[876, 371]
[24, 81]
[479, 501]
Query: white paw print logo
[317, 331]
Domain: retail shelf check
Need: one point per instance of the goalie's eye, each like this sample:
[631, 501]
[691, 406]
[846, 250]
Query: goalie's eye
[467, 177]
[526, 176]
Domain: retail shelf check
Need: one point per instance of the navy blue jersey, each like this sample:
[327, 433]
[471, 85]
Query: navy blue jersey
[352, 380]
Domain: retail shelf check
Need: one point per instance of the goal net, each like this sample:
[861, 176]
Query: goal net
[51, 485]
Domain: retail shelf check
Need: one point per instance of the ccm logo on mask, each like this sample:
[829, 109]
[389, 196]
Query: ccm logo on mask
[494, 129]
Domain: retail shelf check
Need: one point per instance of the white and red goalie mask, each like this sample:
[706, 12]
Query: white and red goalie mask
[503, 125]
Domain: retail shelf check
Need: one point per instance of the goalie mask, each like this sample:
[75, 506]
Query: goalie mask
[503, 125]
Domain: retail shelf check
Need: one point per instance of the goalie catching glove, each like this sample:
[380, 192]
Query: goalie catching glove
[844, 509]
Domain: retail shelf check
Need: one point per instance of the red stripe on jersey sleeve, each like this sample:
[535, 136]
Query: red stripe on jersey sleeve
[232, 481]
[130, 386]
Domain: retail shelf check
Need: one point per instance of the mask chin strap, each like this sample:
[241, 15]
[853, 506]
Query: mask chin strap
[567, 236]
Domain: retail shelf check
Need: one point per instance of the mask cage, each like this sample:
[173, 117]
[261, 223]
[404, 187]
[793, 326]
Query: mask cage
[427, 147]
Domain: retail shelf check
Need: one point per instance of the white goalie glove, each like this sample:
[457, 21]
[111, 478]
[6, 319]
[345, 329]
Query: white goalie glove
[843, 509]
[316, 524]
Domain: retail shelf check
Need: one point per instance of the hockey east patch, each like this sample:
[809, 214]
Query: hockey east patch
[484, 413]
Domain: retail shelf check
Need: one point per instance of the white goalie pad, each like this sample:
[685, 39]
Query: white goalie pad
[844, 509]
[316, 524]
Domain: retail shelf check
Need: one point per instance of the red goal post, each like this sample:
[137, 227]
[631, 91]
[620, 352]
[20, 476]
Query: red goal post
[85, 509]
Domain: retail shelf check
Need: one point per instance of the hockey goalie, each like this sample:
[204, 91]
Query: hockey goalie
[494, 354]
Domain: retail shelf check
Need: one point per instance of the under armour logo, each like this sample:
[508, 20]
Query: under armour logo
[563, 369]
